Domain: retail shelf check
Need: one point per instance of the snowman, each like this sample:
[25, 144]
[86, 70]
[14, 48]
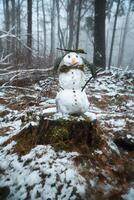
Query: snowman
[71, 99]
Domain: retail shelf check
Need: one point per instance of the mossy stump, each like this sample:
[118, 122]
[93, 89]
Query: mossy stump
[71, 134]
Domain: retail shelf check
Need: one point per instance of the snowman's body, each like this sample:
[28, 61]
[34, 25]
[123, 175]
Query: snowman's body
[74, 78]
[71, 99]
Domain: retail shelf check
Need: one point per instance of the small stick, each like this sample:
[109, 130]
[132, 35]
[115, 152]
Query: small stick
[90, 79]
[76, 50]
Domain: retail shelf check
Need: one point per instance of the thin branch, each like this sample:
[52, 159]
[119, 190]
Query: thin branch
[5, 58]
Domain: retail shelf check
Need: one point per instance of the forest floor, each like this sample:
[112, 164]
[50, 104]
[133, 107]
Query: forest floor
[46, 173]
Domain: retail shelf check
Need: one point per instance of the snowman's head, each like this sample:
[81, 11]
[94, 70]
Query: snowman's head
[71, 59]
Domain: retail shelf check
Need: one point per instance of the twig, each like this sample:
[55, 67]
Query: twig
[6, 57]
[75, 50]
[15, 87]
[28, 70]
[90, 79]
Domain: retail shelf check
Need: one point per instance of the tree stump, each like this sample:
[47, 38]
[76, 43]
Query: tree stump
[71, 134]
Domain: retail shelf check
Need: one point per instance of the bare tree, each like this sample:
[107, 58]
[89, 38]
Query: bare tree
[44, 27]
[1, 45]
[18, 28]
[29, 30]
[78, 23]
[37, 27]
[113, 35]
[123, 42]
[71, 6]
[99, 33]
[13, 24]
[52, 48]
[60, 33]
[7, 23]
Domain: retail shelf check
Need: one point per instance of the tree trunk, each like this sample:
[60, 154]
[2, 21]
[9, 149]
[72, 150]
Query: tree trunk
[1, 45]
[7, 23]
[120, 45]
[44, 27]
[13, 24]
[99, 34]
[37, 27]
[71, 6]
[18, 29]
[60, 33]
[113, 35]
[78, 24]
[29, 31]
[121, 56]
[52, 50]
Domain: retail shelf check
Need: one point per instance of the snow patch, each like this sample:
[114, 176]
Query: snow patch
[49, 110]
[113, 146]
[130, 195]
[44, 172]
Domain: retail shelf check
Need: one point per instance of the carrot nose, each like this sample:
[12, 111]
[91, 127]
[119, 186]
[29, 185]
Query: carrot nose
[73, 61]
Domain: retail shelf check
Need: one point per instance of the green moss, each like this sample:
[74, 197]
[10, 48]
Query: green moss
[59, 134]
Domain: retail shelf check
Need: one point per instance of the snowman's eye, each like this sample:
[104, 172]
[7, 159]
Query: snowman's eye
[68, 56]
[76, 56]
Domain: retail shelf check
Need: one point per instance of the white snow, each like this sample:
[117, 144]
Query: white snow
[49, 110]
[69, 102]
[113, 146]
[51, 173]
[97, 151]
[130, 136]
[50, 101]
[2, 94]
[130, 104]
[92, 116]
[2, 108]
[117, 122]
[130, 195]
[44, 171]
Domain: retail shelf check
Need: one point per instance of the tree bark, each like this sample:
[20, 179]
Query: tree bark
[29, 30]
[71, 6]
[78, 24]
[38, 28]
[121, 55]
[44, 27]
[113, 35]
[13, 24]
[63, 134]
[99, 33]
[7, 23]
[60, 33]
[18, 29]
[52, 50]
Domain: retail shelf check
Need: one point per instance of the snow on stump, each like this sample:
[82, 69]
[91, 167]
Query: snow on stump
[70, 134]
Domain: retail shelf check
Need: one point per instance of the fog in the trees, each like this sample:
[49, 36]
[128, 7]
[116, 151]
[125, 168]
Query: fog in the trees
[37, 28]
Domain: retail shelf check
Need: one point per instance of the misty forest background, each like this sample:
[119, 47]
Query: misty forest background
[31, 30]
[44, 155]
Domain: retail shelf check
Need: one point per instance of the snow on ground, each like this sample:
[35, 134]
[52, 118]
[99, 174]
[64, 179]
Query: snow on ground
[44, 173]
[41, 174]
[130, 195]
